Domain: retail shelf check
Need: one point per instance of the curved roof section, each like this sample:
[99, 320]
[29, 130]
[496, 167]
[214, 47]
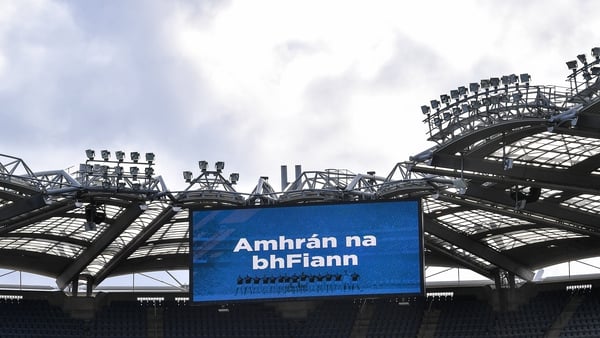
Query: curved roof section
[512, 185]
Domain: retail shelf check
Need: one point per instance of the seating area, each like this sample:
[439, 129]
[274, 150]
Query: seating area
[564, 313]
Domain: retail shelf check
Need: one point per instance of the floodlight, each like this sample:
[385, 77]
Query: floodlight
[106, 184]
[513, 78]
[90, 154]
[435, 104]
[572, 64]
[595, 70]
[596, 52]
[149, 171]
[486, 101]
[475, 104]
[135, 156]
[525, 77]
[456, 111]
[465, 108]
[437, 121]
[587, 75]
[447, 116]
[143, 206]
[149, 157]
[120, 155]
[86, 168]
[425, 109]
[136, 186]
[203, 165]
[444, 98]
[474, 87]
[234, 177]
[462, 90]
[454, 94]
[121, 185]
[495, 82]
[582, 58]
[505, 80]
[219, 166]
[187, 176]
[105, 155]
[495, 99]
[485, 83]
[134, 171]
[517, 97]
[119, 171]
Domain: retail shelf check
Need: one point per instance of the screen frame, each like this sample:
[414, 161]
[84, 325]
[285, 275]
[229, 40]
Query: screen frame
[191, 270]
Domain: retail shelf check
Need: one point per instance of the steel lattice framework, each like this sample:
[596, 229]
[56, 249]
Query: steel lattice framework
[511, 185]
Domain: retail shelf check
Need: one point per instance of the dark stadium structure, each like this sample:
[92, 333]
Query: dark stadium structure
[511, 186]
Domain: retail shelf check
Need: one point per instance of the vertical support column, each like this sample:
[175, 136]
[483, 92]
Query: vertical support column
[284, 177]
[89, 287]
[75, 287]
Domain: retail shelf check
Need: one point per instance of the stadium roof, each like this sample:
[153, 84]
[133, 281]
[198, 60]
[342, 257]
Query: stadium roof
[512, 185]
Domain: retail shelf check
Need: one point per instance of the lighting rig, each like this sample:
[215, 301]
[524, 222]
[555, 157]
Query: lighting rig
[583, 81]
[210, 186]
[497, 99]
[117, 174]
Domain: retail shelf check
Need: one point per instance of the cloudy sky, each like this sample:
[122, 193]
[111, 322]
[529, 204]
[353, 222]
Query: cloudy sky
[258, 84]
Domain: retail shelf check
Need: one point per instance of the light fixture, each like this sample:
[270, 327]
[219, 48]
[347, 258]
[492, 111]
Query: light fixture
[435, 104]
[596, 71]
[150, 157]
[505, 80]
[444, 98]
[460, 185]
[176, 208]
[456, 111]
[474, 87]
[119, 171]
[90, 154]
[587, 75]
[475, 104]
[187, 176]
[437, 121]
[494, 82]
[525, 78]
[447, 116]
[219, 166]
[425, 109]
[512, 78]
[105, 155]
[596, 52]
[120, 155]
[121, 185]
[143, 206]
[78, 204]
[485, 83]
[134, 171]
[136, 185]
[106, 184]
[135, 156]
[203, 165]
[454, 94]
[462, 90]
[149, 172]
[582, 58]
[517, 97]
[234, 177]
[86, 168]
[572, 64]
[465, 108]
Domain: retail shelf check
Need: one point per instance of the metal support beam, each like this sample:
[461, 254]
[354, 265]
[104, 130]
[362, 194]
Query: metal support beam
[50, 211]
[476, 248]
[110, 234]
[134, 244]
[22, 206]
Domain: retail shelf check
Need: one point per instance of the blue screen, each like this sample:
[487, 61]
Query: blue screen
[318, 250]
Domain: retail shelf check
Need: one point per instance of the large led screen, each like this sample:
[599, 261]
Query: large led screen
[317, 250]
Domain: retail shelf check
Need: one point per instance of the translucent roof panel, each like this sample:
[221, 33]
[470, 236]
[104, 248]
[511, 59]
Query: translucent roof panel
[40, 245]
[516, 239]
[456, 250]
[584, 202]
[431, 205]
[475, 221]
[549, 149]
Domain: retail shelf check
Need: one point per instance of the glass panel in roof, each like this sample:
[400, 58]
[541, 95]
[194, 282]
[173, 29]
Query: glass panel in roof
[475, 221]
[584, 202]
[41, 245]
[549, 149]
[511, 240]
